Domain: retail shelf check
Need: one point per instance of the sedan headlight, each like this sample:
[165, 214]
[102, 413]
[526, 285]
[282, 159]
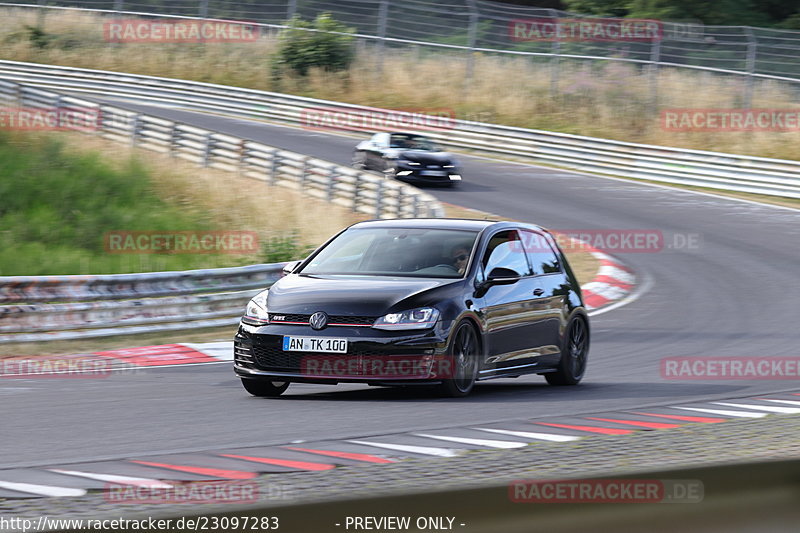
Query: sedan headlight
[421, 318]
[256, 312]
[407, 162]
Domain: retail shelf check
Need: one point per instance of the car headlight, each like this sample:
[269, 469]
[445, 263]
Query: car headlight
[256, 313]
[421, 318]
[407, 162]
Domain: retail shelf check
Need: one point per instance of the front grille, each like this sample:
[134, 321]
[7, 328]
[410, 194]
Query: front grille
[276, 359]
[349, 320]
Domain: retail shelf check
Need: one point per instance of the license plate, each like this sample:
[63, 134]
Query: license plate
[314, 344]
[433, 173]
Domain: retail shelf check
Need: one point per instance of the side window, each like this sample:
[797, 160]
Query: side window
[381, 140]
[541, 255]
[505, 250]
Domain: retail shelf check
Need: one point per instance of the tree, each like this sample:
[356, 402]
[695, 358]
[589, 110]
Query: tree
[325, 43]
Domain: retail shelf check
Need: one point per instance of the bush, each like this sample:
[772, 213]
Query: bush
[301, 49]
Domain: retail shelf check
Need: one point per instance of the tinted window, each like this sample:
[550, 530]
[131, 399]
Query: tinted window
[541, 255]
[505, 251]
[410, 141]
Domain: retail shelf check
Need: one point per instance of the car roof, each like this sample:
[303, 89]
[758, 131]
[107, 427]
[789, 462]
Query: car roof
[414, 133]
[443, 223]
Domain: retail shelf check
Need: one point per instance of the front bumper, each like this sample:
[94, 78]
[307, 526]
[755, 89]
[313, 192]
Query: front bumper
[428, 176]
[373, 356]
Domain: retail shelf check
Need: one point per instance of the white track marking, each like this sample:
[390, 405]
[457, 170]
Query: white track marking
[529, 435]
[767, 408]
[113, 478]
[788, 402]
[724, 412]
[42, 490]
[490, 443]
[424, 450]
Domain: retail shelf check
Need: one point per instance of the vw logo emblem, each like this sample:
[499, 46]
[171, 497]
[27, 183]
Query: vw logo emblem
[318, 320]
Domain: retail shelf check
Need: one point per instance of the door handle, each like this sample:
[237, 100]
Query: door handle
[538, 291]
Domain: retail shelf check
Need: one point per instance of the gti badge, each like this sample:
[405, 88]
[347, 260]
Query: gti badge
[318, 320]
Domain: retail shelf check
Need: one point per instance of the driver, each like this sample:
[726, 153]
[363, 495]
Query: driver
[459, 256]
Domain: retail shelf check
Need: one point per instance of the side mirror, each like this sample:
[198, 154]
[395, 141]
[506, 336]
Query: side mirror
[501, 276]
[289, 267]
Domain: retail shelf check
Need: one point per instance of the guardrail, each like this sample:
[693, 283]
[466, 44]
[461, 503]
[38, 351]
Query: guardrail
[66, 307]
[42, 308]
[714, 170]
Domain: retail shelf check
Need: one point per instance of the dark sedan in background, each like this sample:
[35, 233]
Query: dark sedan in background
[418, 301]
[409, 157]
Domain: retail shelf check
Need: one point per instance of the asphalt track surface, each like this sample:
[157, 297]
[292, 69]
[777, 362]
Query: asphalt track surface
[736, 294]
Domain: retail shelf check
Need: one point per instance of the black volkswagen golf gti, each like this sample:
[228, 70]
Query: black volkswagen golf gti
[443, 302]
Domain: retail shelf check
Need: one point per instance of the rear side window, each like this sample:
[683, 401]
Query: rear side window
[542, 257]
[505, 250]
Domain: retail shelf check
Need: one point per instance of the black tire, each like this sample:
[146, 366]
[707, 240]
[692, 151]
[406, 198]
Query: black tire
[265, 389]
[463, 355]
[574, 354]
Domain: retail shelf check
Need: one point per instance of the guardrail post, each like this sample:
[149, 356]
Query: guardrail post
[207, 150]
[379, 198]
[119, 5]
[173, 139]
[554, 62]
[203, 11]
[471, 40]
[40, 14]
[655, 57]
[383, 14]
[242, 156]
[57, 108]
[356, 190]
[414, 206]
[752, 45]
[18, 94]
[137, 126]
[291, 10]
[275, 163]
[303, 174]
[331, 183]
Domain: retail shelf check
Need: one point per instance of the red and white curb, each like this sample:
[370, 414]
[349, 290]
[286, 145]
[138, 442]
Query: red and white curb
[613, 282]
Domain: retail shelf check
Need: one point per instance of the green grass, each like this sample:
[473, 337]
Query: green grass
[57, 206]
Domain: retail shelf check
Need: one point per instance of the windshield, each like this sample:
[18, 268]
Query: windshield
[408, 252]
[413, 142]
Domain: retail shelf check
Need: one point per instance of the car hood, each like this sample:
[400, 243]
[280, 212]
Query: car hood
[345, 295]
[427, 158]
